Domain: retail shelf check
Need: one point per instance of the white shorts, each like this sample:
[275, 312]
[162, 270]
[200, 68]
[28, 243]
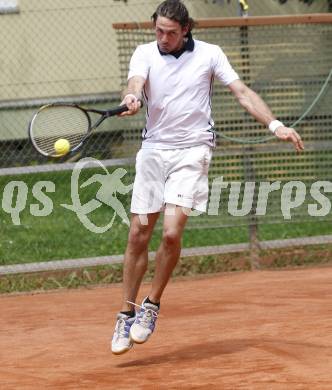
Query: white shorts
[175, 176]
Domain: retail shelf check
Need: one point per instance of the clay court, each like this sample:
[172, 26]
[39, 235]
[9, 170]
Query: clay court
[252, 330]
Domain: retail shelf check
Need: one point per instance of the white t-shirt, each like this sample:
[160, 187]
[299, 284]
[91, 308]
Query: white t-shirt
[178, 93]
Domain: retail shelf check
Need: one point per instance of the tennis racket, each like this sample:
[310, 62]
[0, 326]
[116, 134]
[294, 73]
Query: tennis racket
[58, 129]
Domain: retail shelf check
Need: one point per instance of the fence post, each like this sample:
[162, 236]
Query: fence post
[249, 170]
[250, 175]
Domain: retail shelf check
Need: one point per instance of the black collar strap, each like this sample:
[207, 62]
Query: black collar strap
[188, 46]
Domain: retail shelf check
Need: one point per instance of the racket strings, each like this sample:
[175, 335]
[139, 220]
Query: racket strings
[53, 123]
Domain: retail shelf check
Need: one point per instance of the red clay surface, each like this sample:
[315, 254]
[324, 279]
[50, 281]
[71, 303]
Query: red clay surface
[259, 330]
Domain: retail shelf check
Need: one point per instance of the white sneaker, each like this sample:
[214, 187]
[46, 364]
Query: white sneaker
[145, 322]
[121, 341]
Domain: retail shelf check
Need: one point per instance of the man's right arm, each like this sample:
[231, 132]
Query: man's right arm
[132, 94]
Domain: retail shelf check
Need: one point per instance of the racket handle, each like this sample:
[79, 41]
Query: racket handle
[120, 109]
[123, 108]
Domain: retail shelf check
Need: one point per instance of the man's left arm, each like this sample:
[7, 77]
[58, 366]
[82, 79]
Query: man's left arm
[255, 105]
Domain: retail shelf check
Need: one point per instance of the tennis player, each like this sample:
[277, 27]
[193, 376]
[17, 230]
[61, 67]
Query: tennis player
[174, 74]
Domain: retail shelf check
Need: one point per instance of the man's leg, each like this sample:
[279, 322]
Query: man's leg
[136, 256]
[166, 259]
[169, 250]
[135, 264]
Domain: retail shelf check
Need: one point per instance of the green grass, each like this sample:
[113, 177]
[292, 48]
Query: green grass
[61, 235]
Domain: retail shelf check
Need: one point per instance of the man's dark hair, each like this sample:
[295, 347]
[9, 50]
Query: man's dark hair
[174, 10]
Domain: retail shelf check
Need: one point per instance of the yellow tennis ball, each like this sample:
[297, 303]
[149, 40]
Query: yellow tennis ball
[61, 146]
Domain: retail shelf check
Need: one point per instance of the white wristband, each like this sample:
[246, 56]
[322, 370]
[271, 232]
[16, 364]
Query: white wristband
[274, 125]
[130, 95]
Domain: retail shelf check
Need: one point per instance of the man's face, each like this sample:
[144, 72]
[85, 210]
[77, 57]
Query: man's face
[170, 34]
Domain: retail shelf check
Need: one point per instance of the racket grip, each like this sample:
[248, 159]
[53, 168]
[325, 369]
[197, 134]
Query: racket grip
[120, 109]
[124, 108]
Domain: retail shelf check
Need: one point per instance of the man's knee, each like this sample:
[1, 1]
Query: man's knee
[138, 236]
[171, 237]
